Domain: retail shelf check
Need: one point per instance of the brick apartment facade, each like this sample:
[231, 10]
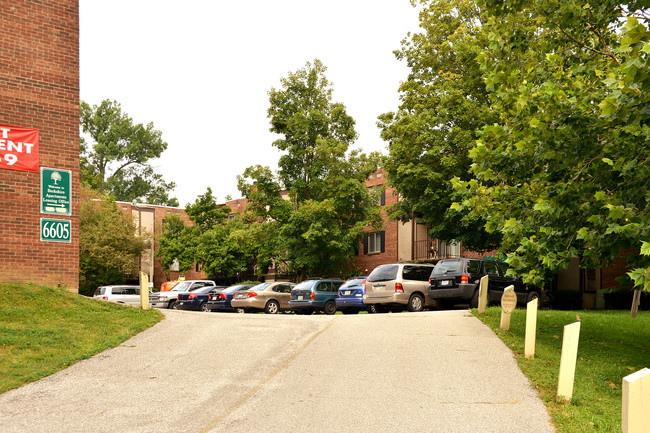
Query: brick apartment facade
[39, 89]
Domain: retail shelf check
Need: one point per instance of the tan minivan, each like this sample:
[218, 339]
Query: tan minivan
[399, 284]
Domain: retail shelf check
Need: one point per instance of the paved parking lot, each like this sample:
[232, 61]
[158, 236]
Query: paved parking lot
[439, 371]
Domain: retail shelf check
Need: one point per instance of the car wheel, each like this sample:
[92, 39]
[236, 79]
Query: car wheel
[271, 307]
[173, 305]
[416, 303]
[372, 309]
[204, 307]
[330, 308]
[474, 302]
[531, 296]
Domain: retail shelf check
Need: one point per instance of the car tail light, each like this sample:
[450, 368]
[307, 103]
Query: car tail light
[222, 296]
[399, 288]
[312, 296]
[429, 280]
[464, 278]
[252, 294]
[192, 296]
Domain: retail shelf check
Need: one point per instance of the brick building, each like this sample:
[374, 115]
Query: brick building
[39, 90]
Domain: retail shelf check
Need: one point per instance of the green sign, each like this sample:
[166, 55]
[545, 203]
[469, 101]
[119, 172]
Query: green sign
[55, 191]
[55, 230]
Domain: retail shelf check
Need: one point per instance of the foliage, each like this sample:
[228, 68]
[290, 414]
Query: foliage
[564, 171]
[221, 247]
[108, 245]
[316, 230]
[316, 131]
[444, 102]
[612, 346]
[117, 162]
[44, 330]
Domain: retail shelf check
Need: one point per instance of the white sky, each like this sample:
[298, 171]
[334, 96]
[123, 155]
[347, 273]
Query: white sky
[201, 70]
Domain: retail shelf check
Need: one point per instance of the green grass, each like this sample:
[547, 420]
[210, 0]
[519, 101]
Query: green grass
[612, 345]
[44, 330]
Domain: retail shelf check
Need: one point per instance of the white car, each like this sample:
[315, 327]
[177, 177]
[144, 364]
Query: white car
[127, 295]
[168, 299]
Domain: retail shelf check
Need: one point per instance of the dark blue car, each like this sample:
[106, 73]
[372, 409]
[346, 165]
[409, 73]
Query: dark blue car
[350, 296]
[220, 299]
[195, 300]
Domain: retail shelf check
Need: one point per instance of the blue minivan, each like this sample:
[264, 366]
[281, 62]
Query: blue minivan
[315, 295]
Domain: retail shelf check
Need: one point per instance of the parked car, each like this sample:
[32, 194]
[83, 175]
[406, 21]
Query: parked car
[120, 294]
[350, 296]
[168, 299]
[315, 295]
[455, 281]
[268, 297]
[399, 284]
[196, 299]
[220, 299]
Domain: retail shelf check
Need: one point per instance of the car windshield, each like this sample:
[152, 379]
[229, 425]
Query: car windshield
[383, 273]
[259, 287]
[447, 266]
[181, 287]
[354, 282]
[305, 285]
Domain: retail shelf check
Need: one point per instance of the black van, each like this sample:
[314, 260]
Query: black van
[456, 281]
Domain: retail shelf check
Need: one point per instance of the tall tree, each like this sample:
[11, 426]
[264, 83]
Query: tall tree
[315, 130]
[117, 162]
[317, 230]
[108, 245]
[564, 172]
[444, 103]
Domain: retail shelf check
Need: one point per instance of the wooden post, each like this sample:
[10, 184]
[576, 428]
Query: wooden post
[568, 361]
[636, 301]
[508, 305]
[482, 294]
[636, 402]
[144, 291]
[531, 328]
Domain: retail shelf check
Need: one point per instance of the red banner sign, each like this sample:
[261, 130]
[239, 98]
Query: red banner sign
[18, 148]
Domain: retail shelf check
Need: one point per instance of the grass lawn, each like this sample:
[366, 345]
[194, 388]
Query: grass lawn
[612, 345]
[44, 330]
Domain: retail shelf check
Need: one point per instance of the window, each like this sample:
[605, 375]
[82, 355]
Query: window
[492, 269]
[416, 273]
[374, 243]
[379, 193]
[473, 266]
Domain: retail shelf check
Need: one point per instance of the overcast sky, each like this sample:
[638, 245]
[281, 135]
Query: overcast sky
[201, 70]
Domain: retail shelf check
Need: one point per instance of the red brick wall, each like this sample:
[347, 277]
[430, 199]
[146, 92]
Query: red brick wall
[365, 263]
[39, 88]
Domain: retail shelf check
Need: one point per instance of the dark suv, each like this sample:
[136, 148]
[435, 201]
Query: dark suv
[456, 281]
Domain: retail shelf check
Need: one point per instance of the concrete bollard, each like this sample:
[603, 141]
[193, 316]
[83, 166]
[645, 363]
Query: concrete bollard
[568, 361]
[531, 328]
[636, 402]
[482, 294]
[144, 291]
[508, 305]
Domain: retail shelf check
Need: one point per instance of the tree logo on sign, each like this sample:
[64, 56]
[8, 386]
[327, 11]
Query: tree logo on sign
[56, 177]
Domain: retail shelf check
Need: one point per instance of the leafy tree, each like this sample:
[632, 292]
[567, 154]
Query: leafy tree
[564, 172]
[444, 103]
[316, 131]
[316, 231]
[108, 245]
[117, 161]
[222, 247]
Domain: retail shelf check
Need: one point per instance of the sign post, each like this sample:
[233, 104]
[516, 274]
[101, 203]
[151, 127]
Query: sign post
[508, 305]
[531, 328]
[568, 360]
[482, 294]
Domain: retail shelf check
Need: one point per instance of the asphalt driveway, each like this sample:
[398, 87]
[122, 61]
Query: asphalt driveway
[441, 371]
